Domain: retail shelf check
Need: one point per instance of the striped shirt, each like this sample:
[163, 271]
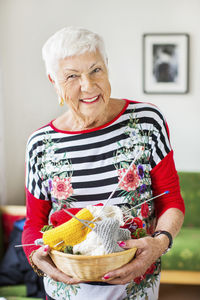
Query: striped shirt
[90, 157]
[65, 168]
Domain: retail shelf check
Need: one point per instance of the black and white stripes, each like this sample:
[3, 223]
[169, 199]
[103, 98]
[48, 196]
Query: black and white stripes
[90, 155]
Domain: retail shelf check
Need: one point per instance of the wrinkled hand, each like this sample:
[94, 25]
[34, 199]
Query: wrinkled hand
[44, 262]
[148, 251]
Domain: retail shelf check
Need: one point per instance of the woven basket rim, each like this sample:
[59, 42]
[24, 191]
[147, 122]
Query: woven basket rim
[83, 257]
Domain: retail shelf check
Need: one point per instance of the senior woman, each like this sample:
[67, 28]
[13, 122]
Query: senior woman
[78, 159]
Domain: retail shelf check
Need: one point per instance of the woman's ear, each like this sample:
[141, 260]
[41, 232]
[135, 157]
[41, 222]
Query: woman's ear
[58, 90]
[51, 80]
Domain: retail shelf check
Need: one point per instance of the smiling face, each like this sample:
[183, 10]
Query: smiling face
[84, 85]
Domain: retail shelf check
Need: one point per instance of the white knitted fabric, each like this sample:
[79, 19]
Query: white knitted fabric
[103, 239]
[92, 245]
[113, 212]
[109, 231]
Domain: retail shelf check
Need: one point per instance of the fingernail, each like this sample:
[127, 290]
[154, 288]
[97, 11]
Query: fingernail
[121, 244]
[46, 248]
[106, 277]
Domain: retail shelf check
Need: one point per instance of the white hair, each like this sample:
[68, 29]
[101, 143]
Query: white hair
[70, 41]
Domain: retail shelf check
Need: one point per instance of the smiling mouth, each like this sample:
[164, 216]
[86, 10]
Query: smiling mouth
[90, 100]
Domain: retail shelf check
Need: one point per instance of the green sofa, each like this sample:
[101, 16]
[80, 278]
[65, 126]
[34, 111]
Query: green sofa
[181, 264]
[16, 292]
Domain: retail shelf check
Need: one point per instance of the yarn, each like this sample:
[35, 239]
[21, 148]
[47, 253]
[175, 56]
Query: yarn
[71, 232]
[59, 217]
[103, 238]
[109, 231]
[113, 212]
[92, 245]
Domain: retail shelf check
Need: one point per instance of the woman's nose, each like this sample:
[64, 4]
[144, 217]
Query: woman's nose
[86, 83]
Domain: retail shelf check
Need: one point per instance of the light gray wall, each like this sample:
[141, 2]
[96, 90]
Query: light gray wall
[2, 154]
[30, 101]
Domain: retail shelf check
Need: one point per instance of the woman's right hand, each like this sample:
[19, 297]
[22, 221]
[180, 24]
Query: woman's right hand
[44, 262]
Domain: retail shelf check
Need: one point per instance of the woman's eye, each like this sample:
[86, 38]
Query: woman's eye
[71, 76]
[96, 70]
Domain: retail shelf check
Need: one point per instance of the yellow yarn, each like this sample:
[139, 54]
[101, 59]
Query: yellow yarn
[71, 232]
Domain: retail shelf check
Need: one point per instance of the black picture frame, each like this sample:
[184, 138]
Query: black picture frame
[166, 63]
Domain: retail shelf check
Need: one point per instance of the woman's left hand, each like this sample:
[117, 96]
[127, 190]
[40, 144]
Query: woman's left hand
[148, 251]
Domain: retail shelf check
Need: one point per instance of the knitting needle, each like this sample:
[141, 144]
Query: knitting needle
[128, 169]
[58, 243]
[38, 242]
[24, 245]
[82, 221]
[73, 216]
[166, 192]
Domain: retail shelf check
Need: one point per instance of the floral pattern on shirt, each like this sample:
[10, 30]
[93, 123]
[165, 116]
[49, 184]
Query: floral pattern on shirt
[130, 181]
[61, 290]
[138, 287]
[136, 185]
[61, 188]
[135, 189]
[56, 175]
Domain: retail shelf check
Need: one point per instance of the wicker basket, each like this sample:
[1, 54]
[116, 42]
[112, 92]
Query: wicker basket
[90, 268]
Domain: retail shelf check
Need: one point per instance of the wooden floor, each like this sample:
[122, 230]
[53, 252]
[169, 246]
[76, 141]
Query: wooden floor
[179, 292]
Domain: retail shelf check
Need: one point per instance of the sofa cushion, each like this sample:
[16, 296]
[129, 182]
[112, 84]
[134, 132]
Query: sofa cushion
[14, 290]
[185, 253]
[190, 190]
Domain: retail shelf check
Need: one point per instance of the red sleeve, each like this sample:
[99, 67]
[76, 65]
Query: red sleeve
[37, 212]
[165, 178]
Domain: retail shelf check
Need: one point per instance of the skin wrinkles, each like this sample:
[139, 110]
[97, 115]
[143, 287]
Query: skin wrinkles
[83, 77]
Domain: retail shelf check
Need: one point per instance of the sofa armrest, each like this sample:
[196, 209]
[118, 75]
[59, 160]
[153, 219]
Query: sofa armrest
[8, 215]
[180, 277]
[15, 210]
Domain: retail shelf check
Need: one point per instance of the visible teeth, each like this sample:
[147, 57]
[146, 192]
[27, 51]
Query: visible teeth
[90, 100]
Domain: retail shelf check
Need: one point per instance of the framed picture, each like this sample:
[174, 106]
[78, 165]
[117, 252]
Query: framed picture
[165, 63]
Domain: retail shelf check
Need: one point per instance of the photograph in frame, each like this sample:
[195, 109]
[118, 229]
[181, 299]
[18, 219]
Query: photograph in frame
[165, 63]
